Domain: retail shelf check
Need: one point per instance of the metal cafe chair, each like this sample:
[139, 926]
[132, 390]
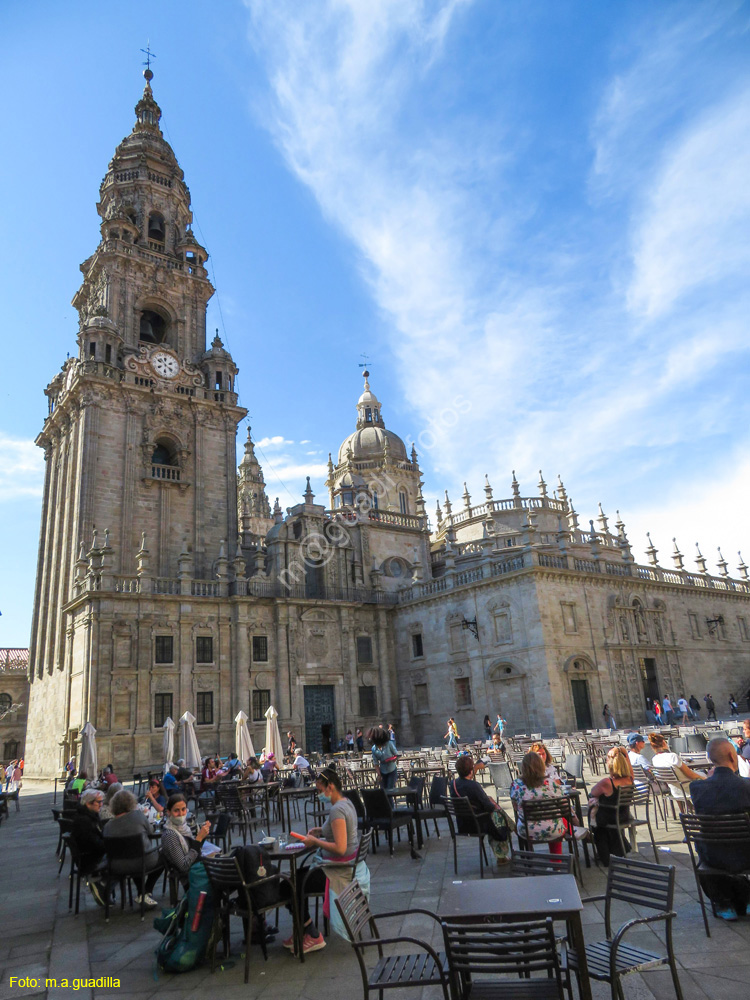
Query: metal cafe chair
[722, 832]
[644, 886]
[421, 966]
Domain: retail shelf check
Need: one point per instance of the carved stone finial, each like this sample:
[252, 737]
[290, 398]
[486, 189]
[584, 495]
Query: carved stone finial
[722, 564]
[467, 497]
[652, 552]
[308, 494]
[700, 560]
[487, 488]
[542, 486]
[677, 556]
[742, 567]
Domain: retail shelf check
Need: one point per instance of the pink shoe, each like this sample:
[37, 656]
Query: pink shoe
[289, 943]
[312, 944]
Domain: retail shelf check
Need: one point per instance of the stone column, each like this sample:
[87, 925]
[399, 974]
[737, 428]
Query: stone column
[384, 662]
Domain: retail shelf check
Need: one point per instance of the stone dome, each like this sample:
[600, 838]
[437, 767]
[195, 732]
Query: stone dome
[368, 443]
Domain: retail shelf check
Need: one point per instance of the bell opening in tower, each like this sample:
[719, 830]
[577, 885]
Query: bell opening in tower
[153, 327]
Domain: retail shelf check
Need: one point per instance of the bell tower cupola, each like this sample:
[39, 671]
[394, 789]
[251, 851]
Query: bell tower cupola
[148, 275]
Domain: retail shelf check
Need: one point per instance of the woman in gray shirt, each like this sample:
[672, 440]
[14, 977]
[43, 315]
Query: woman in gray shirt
[336, 841]
[127, 821]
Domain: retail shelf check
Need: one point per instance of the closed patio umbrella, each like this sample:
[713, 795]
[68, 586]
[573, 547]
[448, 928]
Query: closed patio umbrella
[189, 741]
[168, 754]
[243, 744]
[88, 764]
[273, 736]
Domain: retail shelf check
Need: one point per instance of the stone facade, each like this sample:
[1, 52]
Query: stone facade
[14, 703]
[166, 583]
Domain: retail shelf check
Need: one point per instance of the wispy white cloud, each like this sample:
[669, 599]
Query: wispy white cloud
[599, 355]
[21, 469]
[694, 226]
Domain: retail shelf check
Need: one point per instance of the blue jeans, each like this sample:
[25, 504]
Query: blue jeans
[452, 742]
[389, 780]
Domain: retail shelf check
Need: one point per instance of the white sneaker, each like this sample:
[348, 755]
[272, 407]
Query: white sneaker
[148, 900]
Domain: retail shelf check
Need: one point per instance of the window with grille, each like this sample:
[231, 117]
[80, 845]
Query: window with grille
[260, 648]
[162, 709]
[261, 704]
[204, 649]
[417, 647]
[368, 701]
[164, 649]
[364, 649]
[204, 709]
[463, 692]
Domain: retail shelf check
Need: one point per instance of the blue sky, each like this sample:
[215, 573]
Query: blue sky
[532, 217]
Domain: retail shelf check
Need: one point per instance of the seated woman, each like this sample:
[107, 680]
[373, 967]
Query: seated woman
[269, 767]
[105, 813]
[550, 770]
[336, 841]
[603, 799]
[252, 774]
[531, 785]
[179, 849]
[127, 821]
[664, 757]
[154, 796]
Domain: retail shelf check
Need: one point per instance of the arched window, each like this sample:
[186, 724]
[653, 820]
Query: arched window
[403, 502]
[153, 327]
[156, 227]
[5, 702]
[162, 455]
[10, 750]
[165, 461]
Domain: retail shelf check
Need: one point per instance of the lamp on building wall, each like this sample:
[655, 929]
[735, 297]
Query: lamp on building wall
[471, 625]
[715, 624]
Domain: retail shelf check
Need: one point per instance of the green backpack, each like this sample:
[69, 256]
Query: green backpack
[183, 948]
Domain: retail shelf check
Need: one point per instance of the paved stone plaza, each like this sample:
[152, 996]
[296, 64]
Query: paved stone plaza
[41, 939]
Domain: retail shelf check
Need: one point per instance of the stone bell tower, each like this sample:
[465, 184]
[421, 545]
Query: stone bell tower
[140, 437]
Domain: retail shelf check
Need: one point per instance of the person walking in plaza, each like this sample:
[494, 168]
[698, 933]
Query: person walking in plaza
[360, 741]
[666, 710]
[733, 709]
[499, 725]
[657, 711]
[452, 734]
[683, 707]
[384, 757]
[710, 708]
[9, 774]
[609, 719]
[487, 726]
[391, 734]
[695, 706]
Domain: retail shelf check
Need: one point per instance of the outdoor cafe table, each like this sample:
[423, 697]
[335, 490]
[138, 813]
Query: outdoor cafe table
[286, 795]
[412, 799]
[291, 853]
[530, 897]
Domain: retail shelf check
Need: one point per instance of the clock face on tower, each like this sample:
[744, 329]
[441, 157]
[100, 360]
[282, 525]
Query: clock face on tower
[165, 365]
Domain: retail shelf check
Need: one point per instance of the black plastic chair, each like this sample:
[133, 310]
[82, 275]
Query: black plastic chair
[74, 874]
[723, 831]
[530, 863]
[493, 947]
[226, 878]
[356, 800]
[425, 967]
[126, 858]
[363, 849]
[696, 743]
[573, 769]
[435, 809]
[382, 816]
[463, 822]
[644, 886]
[631, 797]
[539, 810]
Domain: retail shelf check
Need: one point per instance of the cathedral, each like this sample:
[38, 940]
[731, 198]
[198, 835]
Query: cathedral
[166, 582]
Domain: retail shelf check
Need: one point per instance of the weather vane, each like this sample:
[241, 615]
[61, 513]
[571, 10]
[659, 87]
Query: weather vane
[149, 56]
[365, 364]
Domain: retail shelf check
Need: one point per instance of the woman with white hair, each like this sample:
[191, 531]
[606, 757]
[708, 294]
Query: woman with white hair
[127, 821]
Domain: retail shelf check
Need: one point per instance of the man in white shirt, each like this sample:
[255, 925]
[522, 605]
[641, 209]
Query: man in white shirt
[683, 706]
[300, 763]
[636, 745]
